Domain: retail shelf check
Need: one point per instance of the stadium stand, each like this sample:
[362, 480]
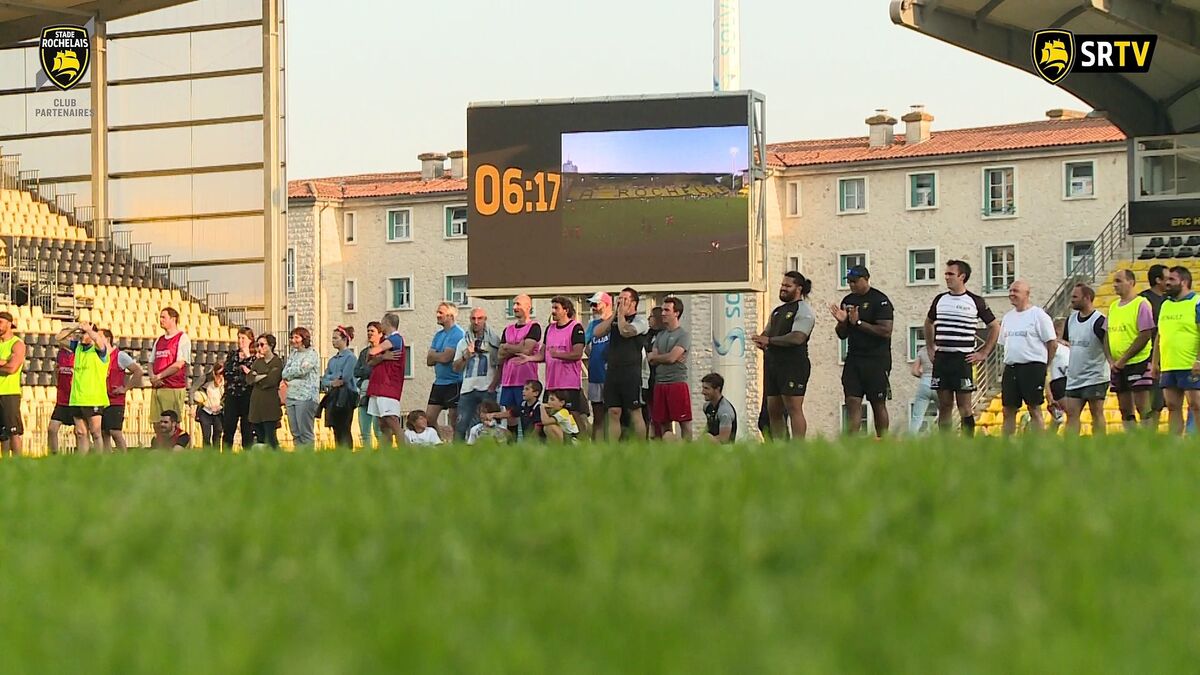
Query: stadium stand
[57, 266]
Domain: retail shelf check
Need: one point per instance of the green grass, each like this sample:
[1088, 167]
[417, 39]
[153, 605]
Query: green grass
[862, 557]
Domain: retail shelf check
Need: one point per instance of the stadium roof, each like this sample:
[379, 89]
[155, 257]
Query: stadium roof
[1002, 138]
[1163, 101]
[373, 185]
[24, 19]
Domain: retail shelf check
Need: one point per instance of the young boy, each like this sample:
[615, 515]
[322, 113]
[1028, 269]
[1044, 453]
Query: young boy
[530, 414]
[557, 422]
[489, 427]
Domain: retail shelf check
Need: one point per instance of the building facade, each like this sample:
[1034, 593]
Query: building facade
[1015, 201]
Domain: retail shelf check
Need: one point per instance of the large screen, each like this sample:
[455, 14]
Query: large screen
[572, 196]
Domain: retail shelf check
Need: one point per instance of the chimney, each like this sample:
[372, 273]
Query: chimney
[882, 128]
[433, 165]
[916, 125]
[458, 164]
[1064, 114]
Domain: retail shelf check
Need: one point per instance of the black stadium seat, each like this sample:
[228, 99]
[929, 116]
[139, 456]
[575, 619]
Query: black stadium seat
[1165, 253]
[1148, 254]
[1185, 252]
[1157, 242]
[1192, 241]
[1175, 241]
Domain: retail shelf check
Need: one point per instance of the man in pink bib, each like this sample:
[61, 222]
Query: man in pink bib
[168, 373]
[562, 351]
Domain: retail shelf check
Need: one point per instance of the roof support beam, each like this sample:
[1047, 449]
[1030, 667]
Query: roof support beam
[987, 9]
[1169, 21]
[1136, 115]
[1069, 15]
[46, 9]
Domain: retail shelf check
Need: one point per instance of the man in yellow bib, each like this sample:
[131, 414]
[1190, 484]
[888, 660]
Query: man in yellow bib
[89, 386]
[1177, 351]
[1130, 332]
[12, 363]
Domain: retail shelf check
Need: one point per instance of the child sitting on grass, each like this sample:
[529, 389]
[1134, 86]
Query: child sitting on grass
[557, 422]
[529, 417]
[489, 427]
[418, 431]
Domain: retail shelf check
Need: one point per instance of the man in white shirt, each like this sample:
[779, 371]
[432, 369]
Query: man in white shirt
[1027, 333]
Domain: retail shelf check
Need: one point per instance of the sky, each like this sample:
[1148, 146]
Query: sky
[374, 83]
[693, 150]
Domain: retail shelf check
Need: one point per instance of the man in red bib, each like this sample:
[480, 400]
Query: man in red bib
[168, 373]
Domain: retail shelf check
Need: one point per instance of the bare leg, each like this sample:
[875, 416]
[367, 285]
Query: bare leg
[433, 412]
[581, 421]
[1174, 400]
[554, 433]
[853, 414]
[795, 410]
[614, 423]
[1073, 407]
[599, 428]
[685, 430]
[1010, 421]
[1037, 423]
[637, 425]
[882, 421]
[17, 444]
[945, 400]
[119, 438]
[775, 409]
[1099, 424]
[82, 438]
[52, 436]
[1128, 410]
[1141, 404]
[966, 411]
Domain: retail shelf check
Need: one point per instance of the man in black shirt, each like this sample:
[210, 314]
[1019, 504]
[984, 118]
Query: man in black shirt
[623, 377]
[786, 366]
[1157, 278]
[864, 320]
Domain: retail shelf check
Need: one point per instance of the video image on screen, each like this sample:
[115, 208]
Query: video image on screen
[627, 192]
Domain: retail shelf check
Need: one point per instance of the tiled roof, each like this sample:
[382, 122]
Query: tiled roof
[373, 185]
[1041, 134]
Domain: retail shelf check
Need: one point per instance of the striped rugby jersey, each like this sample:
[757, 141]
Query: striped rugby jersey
[956, 319]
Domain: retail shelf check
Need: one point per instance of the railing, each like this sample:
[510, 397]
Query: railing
[10, 172]
[1112, 243]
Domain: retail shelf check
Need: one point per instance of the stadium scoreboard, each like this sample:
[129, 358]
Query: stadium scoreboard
[576, 195]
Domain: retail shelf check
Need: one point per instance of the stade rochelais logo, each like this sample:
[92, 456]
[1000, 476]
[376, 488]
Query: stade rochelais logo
[66, 52]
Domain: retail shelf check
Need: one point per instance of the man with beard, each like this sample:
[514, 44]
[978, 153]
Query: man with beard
[864, 320]
[562, 351]
[786, 366]
[1088, 372]
[626, 349]
[1178, 347]
[1130, 333]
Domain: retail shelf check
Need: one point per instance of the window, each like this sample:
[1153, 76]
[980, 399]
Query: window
[929, 419]
[793, 264]
[400, 293]
[793, 198]
[999, 192]
[399, 225]
[922, 190]
[843, 349]
[1167, 167]
[508, 309]
[922, 266]
[456, 290]
[1079, 180]
[1000, 268]
[845, 262]
[291, 323]
[351, 290]
[916, 341]
[866, 422]
[1079, 252]
[456, 222]
[350, 227]
[408, 362]
[852, 195]
[289, 268]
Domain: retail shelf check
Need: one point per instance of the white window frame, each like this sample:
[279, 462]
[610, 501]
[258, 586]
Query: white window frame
[868, 425]
[412, 290]
[350, 296]
[466, 299]
[908, 190]
[289, 269]
[929, 420]
[1139, 165]
[866, 196]
[1066, 168]
[387, 224]
[446, 222]
[913, 345]
[350, 228]
[841, 283]
[793, 201]
[987, 194]
[986, 265]
[508, 309]
[795, 263]
[937, 258]
[1067, 266]
[408, 361]
[291, 323]
[843, 350]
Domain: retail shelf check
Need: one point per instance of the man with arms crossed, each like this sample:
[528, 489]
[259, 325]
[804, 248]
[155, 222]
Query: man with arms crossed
[562, 350]
[597, 351]
[520, 338]
[950, 330]
[864, 320]
[447, 382]
[1177, 350]
[786, 366]
[1088, 372]
[1130, 336]
[1027, 333]
[672, 398]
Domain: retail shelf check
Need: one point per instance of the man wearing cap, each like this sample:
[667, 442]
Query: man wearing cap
[864, 320]
[12, 363]
[597, 351]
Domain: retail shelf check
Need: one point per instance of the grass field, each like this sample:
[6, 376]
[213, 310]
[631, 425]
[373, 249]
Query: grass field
[852, 557]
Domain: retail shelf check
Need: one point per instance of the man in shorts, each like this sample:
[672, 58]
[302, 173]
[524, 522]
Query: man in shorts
[1088, 373]
[1027, 333]
[124, 373]
[89, 385]
[786, 366]
[562, 351]
[672, 397]
[447, 383]
[386, 385]
[597, 352]
[12, 365]
[64, 369]
[1130, 335]
[626, 329]
[864, 321]
[950, 329]
[520, 338]
[1177, 351]
[1156, 277]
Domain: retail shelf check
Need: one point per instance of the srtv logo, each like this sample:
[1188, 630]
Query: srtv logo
[1058, 53]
